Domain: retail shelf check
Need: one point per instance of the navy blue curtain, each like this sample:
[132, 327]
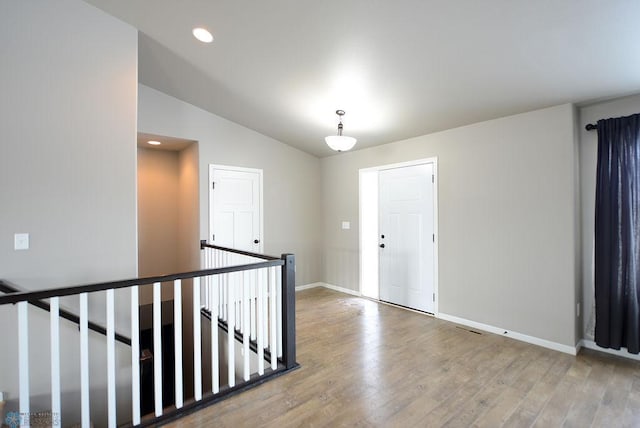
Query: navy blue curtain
[617, 234]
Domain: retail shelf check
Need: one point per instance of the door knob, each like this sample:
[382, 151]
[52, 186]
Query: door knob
[381, 245]
[256, 241]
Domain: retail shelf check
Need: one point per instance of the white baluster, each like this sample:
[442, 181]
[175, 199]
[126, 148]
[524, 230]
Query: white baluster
[255, 278]
[204, 290]
[222, 295]
[273, 347]
[157, 347]
[135, 356]
[56, 417]
[84, 361]
[245, 312]
[23, 357]
[225, 291]
[215, 375]
[231, 358]
[228, 283]
[279, 309]
[208, 279]
[177, 332]
[237, 290]
[260, 320]
[197, 344]
[205, 293]
[267, 316]
[111, 360]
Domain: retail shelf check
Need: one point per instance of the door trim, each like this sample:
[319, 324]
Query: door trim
[213, 167]
[374, 170]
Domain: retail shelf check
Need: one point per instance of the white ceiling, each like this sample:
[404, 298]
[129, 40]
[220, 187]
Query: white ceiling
[399, 68]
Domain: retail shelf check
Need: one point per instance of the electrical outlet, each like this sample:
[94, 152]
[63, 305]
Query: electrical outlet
[21, 241]
[578, 309]
[346, 225]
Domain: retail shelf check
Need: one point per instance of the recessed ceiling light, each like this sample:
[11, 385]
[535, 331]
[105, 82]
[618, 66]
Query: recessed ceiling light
[154, 143]
[203, 35]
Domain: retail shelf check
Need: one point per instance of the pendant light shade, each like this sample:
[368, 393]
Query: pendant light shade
[340, 143]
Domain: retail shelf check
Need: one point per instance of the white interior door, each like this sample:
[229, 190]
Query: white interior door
[406, 239]
[235, 208]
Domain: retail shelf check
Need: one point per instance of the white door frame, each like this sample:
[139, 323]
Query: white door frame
[213, 167]
[365, 200]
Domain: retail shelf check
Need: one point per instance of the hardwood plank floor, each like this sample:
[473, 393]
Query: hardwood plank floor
[366, 364]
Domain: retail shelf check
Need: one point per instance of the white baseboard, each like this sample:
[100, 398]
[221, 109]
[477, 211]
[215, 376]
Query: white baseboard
[308, 286]
[341, 289]
[329, 286]
[571, 350]
[590, 344]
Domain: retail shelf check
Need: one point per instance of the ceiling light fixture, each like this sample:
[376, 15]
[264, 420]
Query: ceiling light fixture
[340, 143]
[202, 34]
[154, 143]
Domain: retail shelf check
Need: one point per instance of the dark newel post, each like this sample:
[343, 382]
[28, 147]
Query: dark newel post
[203, 242]
[289, 311]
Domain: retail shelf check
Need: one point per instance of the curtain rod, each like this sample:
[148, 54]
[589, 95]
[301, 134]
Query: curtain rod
[591, 127]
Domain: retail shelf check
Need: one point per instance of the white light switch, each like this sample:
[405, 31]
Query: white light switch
[346, 225]
[21, 241]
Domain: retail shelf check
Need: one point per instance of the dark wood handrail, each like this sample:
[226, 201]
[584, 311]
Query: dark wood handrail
[204, 244]
[6, 288]
[30, 296]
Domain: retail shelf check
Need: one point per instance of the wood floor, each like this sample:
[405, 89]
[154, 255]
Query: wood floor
[366, 364]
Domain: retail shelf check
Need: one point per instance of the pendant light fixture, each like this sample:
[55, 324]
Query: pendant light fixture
[340, 143]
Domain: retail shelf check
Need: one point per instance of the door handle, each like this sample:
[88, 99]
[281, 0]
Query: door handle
[256, 241]
[381, 245]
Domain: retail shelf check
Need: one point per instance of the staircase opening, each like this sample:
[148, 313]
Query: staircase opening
[168, 225]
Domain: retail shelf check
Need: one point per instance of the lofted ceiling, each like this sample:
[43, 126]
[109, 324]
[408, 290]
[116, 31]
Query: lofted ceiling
[398, 68]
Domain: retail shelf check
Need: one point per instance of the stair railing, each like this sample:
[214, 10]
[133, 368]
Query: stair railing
[228, 290]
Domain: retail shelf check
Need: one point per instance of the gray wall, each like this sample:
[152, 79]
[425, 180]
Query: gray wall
[291, 177]
[588, 160]
[67, 172]
[507, 219]
[67, 156]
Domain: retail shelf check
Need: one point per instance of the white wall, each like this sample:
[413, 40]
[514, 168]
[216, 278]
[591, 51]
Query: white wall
[292, 219]
[507, 219]
[588, 161]
[68, 85]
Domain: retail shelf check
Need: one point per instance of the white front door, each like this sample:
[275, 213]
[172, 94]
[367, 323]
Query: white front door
[406, 239]
[235, 211]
